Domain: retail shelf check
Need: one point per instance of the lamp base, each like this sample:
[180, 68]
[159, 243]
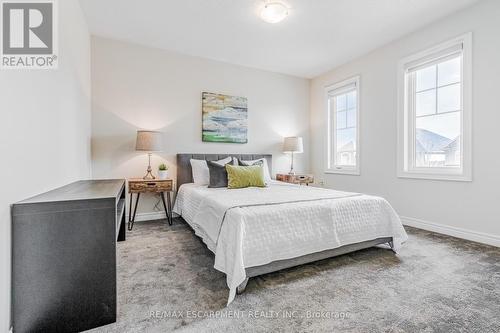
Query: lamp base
[291, 173]
[149, 175]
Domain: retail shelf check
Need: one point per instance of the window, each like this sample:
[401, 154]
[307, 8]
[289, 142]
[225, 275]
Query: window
[434, 116]
[343, 127]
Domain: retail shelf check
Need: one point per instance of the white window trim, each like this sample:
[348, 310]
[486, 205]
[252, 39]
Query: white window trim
[465, 172]
[345, 170]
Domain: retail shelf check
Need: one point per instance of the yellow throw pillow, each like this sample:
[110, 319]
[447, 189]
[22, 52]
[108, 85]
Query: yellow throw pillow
[245, 176]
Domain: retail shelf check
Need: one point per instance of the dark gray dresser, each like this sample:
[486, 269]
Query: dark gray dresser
[64, 257]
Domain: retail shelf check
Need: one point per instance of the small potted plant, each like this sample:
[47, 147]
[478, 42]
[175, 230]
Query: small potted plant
[163, 171]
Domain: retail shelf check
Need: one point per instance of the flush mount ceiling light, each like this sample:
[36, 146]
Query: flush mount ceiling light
[274, 12]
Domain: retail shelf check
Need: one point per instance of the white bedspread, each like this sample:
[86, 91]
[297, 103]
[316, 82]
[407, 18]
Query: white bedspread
[255, 226]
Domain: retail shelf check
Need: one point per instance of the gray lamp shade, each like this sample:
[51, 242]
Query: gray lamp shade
[148, 141]
[293, 145]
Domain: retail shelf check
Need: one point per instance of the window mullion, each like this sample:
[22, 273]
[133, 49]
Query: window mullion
[412, 120]
[437, 88]
[335, 133]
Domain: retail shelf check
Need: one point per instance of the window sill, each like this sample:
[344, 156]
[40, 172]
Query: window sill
[433, 176]
[352, 172]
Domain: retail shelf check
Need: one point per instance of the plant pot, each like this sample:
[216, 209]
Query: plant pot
[162, 174]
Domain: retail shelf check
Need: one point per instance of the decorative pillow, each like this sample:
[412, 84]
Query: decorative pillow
[217, 174]
[245, 176]
[201, 174]
[260, 161]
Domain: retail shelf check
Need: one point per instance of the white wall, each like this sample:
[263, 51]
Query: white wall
[45, 136]
[136, 87]
[473, 206]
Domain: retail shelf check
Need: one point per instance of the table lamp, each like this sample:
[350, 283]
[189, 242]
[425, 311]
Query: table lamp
[293, 145]
[149, 141]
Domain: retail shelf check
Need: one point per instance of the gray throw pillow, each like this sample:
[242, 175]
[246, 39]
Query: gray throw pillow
[217, 174]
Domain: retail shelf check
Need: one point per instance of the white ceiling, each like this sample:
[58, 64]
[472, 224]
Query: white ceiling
[317, 36]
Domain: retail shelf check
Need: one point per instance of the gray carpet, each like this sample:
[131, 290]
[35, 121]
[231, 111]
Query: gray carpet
[166, 281]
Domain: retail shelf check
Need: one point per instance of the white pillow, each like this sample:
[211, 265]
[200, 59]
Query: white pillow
[201, 175]
[267, 176]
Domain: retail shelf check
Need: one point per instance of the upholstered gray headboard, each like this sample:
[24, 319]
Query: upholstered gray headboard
[185, 174]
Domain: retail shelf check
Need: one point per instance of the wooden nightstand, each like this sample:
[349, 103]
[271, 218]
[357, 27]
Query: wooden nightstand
[139, 185]
[295, 179]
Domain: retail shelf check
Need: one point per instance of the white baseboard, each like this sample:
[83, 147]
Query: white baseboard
[471, 235]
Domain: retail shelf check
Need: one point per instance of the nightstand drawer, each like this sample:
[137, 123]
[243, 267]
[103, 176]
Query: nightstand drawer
[295, 179]
[150, 186]
[303, 178]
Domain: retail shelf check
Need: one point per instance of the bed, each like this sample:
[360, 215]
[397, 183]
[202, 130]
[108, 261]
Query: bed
[254, 231]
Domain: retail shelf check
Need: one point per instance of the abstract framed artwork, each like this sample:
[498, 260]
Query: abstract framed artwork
[224, 118]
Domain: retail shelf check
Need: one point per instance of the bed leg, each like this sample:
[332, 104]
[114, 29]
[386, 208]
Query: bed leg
[241, 288]
[391, 245]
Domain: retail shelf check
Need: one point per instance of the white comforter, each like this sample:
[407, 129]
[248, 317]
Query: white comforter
[255, 226]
